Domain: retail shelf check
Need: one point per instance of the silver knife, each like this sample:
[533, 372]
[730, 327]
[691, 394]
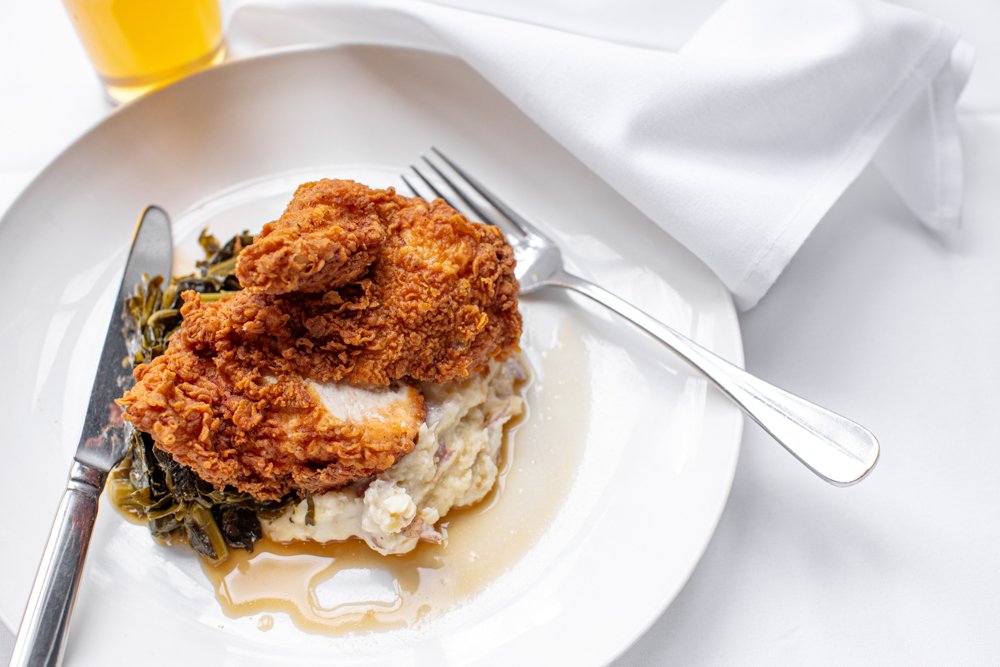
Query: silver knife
[40, 640]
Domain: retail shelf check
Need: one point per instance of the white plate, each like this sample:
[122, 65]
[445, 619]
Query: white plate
[659, 447]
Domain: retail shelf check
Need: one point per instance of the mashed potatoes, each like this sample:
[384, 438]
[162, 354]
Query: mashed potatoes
[454, 464]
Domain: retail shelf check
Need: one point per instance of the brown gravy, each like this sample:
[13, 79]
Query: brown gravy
[339, 588]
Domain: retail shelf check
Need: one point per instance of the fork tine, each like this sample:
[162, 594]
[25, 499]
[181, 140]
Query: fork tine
[434, 188]
[413, 190]
[483, 215]
[515, 218]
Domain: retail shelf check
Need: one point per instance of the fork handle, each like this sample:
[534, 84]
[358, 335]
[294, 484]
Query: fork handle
[837, 449]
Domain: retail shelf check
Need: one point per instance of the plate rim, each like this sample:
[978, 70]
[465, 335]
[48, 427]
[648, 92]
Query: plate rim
[273, 53]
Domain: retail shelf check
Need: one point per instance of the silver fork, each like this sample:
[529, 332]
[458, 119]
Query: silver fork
[835, 448]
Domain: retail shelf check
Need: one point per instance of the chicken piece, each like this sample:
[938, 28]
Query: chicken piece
[447, 295]
[327, 237]
[436, 301]
[271, 434]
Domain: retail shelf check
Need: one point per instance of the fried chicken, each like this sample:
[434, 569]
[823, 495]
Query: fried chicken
[350, 285]
[326, 238]
[438, 302]
[270, 434]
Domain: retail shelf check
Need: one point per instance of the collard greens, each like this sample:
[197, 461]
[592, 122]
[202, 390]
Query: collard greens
[176, 503]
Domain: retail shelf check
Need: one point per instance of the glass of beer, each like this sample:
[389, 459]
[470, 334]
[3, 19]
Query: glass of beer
[139, 45]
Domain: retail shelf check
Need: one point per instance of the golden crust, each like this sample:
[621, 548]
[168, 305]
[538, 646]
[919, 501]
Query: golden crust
[326, 238]
[265, 435]
[438, 302]
[435, 302]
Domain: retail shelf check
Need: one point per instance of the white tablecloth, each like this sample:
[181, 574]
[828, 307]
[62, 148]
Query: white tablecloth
[876, 318]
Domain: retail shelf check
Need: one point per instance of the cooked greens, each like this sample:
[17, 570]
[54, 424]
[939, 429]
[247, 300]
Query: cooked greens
[153, 314]
[176, 503]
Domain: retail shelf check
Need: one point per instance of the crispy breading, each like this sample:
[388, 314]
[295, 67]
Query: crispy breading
[267, 434]
[326, 238]
[437, 301]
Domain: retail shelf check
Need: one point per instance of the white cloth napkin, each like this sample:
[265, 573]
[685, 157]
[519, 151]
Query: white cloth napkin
[736, 145]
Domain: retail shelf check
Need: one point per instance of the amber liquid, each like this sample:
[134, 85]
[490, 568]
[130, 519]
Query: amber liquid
[307, 581]
[341, 588]
[139, 45]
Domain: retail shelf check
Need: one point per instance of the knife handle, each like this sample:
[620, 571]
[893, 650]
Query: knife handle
[42, 635]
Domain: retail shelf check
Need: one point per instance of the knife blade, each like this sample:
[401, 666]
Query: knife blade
[40, 639]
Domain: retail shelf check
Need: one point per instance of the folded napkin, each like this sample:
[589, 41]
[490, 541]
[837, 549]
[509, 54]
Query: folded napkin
[738, 143]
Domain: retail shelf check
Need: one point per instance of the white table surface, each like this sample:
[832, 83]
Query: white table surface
[876, 318]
